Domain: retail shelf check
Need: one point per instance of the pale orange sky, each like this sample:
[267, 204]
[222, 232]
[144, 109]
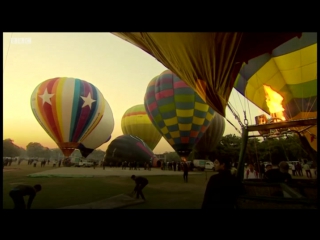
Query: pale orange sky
[118, 69]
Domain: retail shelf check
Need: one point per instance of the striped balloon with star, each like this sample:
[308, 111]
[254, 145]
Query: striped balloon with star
[68, 109]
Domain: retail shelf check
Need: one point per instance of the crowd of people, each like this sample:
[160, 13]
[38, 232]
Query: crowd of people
[175, 166]
[254, 171]
[126, 165]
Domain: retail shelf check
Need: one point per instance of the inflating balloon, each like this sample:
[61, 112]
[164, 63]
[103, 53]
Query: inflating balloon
[99, 134]
[208, 62]
[136, 122]
[212, 136]
[177, 111]
[129, 148]
[68, 109]
[290, 70]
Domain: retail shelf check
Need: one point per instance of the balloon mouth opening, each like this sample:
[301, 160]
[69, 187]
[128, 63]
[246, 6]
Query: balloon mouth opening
[68, 147]
[86, 152]
[184, 154]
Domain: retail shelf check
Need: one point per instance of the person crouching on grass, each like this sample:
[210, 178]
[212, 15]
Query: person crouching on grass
[18, 192]
[141, 182]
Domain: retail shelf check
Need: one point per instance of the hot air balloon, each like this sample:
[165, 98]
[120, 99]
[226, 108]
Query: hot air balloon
[212, 135]
[290, 71]
[136, 122]
[68, 109]
[177, 111]
[208, 62]
[129, 148]
[100, 134]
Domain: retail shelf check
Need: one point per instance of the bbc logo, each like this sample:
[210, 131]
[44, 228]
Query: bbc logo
[21, 40]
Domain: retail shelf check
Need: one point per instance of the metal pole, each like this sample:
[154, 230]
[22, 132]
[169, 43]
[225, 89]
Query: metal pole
[240, 172]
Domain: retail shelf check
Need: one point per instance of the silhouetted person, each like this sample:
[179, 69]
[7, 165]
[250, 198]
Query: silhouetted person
[141, 182]
[174, 166]
[185, 171]
[18, 192]
[293, 169]
[262, 171]
[268, 167]
[306, 167]
[280, 174]
[299, 169]
[222, 188]
[134, 165]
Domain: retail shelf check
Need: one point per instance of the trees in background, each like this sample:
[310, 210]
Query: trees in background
[283, 148]
[10, 149]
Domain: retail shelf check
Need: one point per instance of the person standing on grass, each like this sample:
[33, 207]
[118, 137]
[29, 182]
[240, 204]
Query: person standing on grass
[185, 171]
[222, 188]
[306, 167]
[293, 169]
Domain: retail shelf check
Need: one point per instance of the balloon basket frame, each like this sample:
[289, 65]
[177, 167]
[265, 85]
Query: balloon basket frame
[259, 197]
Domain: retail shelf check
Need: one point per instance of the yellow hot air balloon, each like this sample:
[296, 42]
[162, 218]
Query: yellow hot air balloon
[136, 122]
[289, 72]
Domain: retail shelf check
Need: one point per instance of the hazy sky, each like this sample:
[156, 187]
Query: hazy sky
[117, 68]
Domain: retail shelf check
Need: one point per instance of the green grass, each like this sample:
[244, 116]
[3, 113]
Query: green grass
[162, 192]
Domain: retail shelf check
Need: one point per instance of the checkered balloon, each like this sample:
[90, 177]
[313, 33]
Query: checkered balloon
[177, 111]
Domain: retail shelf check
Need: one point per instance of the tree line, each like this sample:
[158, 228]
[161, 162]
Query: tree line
[287, 148]
[36, 150]
[284, 148]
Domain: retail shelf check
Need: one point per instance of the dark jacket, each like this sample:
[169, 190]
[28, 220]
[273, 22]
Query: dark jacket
[185, 167]
[141, 180]
[222, 191]
[25, 190]
[274, 175]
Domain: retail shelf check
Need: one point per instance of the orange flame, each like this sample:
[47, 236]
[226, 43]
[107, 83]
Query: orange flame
[274, 103]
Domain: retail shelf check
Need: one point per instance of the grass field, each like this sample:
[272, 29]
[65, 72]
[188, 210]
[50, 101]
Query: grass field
[162, 192]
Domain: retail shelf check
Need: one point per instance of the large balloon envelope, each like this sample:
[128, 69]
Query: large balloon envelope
[208, 62]
[177, 111]
[136, 122]
[212, 136]
[99, 134]
[129, 148]
[291, 71]
[68, 109]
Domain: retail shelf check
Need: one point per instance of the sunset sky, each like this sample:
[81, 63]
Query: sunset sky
[117, 68]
